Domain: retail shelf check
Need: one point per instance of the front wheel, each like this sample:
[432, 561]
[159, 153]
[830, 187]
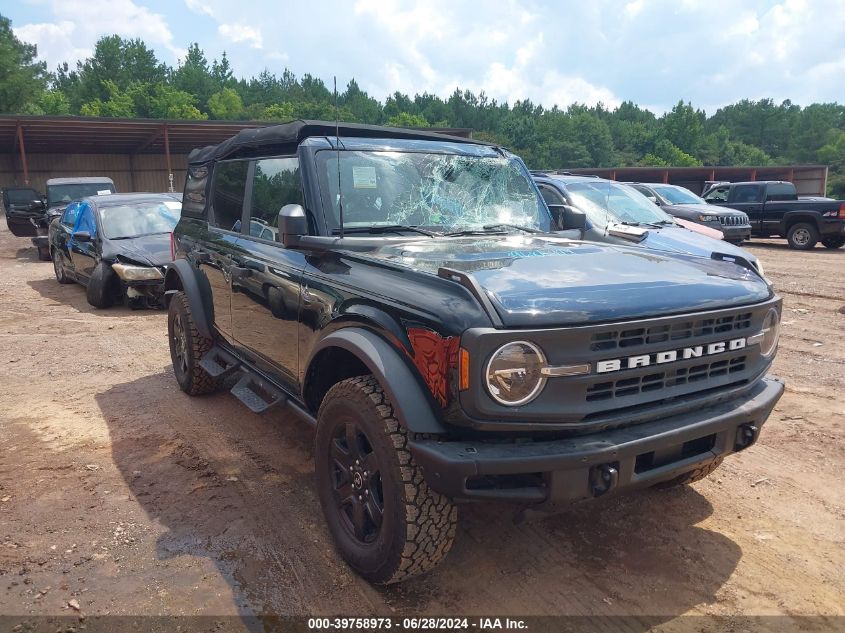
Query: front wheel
[385, 520]
[102, 286]
[802, 236]
[187, 347]
[833, 242]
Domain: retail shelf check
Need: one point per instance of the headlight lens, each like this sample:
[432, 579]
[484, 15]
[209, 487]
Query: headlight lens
[128, 272]
[771, 333]
[514, 375]
[707, 218]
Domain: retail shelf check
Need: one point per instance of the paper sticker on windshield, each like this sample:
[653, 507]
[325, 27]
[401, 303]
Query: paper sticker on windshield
[175, 206]
[104, 192]
[364, 177]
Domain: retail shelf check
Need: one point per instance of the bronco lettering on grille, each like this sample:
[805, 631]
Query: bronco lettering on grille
[670, 356]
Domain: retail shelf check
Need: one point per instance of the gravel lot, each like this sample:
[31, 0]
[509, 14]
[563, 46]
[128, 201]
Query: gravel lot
[124, 495]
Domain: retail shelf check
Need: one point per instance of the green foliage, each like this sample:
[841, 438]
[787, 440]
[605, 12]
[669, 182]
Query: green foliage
[22, 78]
[123, 78]
[226, 104]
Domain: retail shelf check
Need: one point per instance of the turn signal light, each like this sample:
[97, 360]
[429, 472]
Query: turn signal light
[463, 369]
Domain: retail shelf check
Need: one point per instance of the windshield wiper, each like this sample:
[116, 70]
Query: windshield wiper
[489, 229]
[375, 229]
[648, 224]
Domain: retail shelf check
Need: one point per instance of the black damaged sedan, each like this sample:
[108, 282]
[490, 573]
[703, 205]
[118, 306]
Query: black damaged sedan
[117, 246]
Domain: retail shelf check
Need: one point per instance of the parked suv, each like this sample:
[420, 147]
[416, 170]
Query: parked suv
[680, 202]
[419, 308]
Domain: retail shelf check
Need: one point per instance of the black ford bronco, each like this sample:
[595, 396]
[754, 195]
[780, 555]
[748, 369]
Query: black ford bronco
[411, 296]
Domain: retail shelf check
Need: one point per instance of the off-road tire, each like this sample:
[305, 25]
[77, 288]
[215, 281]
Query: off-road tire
[802, 236]
[102, 286]
[833, 242]
[44, 253]
[691, 476]
[58, 267]
[418, 524]
[192, 378]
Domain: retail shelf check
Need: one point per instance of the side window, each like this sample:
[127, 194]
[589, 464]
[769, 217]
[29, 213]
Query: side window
[194, 197]
[780, 191]
[70, 214]
[276, 183]
[720, 194]
[747, 193]
[85, 221]
[228, 196]
[550, 195]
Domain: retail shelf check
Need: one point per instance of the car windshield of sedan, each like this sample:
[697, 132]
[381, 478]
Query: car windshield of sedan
[606, 203]
[62, 194]
[428, 191]
[679, 195]
[126, 221]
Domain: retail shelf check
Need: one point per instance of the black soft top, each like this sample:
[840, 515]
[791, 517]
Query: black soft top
[246, 141]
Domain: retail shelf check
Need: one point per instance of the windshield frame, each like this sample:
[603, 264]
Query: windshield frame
[148, 202]
[660, 190]
[325, 165]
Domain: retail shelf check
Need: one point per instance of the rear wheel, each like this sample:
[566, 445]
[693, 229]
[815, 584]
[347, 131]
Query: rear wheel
[692, 476]
[59, 267]
[102, 286]
[802, 236]
[385, 520]
[187, 347]
[833, 242]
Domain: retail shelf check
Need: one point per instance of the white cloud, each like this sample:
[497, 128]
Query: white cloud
[241, 33]
[198, 6]
[77, 24]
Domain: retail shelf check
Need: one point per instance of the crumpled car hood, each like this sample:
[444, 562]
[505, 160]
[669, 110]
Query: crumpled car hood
[547, 281]
[149, 250]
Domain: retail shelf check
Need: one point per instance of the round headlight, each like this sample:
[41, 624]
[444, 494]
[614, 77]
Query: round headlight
[514, 374]
[771, 333]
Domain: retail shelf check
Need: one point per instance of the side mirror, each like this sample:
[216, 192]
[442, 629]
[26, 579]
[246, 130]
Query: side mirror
[568, 217]
[293, 225]
[654, 200]
[38, 204]
[82, 236]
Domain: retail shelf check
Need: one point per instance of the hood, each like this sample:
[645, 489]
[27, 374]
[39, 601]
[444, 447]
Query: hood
[699, 209]
[549, 281]
[148, 250]
[675, 239]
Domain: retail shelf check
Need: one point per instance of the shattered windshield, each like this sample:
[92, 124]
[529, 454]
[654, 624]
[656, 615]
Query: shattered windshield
[62, 194]
[436, 192]
[142, 218]
[606, 203]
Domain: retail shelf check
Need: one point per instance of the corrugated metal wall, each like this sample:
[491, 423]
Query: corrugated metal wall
[140, 172]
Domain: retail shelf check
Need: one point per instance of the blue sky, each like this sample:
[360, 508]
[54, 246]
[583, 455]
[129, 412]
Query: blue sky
[653, 52]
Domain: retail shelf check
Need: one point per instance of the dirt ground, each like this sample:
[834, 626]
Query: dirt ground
[121, 493]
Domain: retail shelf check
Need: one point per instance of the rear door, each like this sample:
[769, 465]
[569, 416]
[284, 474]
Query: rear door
[267, 277]
[223, 240]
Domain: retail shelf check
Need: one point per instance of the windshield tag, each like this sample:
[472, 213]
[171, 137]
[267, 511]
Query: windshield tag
[104, 192]
[363, 177]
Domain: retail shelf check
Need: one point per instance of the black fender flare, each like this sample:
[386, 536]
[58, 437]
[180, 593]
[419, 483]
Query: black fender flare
[196, 288]
[412, 405]
[801, 215]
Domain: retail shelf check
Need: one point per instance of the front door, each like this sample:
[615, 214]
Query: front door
[749, 199]
[84, 255]
[266, 276]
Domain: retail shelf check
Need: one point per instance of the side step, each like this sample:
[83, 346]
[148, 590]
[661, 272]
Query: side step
[218, 363]
[257, 394]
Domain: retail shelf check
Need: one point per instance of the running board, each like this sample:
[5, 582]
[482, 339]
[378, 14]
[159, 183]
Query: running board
[258, 395]
[218, 363]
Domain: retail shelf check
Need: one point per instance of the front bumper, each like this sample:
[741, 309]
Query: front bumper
[736, 233]
[584, 467]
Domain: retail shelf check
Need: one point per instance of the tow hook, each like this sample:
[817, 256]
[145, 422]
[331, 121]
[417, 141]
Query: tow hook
[746, 435]
[603, 479]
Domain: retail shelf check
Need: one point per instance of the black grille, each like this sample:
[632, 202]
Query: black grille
[661, 380]
[678, 331]
[733, 220]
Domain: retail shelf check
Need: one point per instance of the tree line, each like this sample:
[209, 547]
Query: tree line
[124, 78]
